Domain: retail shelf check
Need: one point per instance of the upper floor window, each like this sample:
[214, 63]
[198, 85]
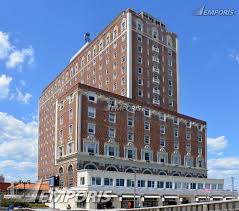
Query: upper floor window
[111, 150]
[92, 97]
[91, 112]
[130, 122]
[139, 38]
[111, 132]
[91, 129]
[147, 112]
[146, 139]
[112, 117]
[130, 136]
[146, 125]
[139, 25]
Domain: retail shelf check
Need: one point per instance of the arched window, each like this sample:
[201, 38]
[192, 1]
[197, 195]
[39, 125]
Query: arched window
[188, 175]
[147, 171]
[61, 177]
[90, 166]
[176, 175]
[200, 162]
[70, 176]
[176, 158]
[188, 161]
[111, 168]
[162, 173]
[130, 170]
[162, 157]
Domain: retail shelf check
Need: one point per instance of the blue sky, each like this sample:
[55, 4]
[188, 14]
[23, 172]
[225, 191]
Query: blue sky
[38, 38]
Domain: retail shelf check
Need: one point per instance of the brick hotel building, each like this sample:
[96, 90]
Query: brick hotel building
[113, 114]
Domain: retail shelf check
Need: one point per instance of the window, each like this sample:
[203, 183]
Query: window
[60, 152]
[140, 82]
[140, 61]
[200, 186]
[169, 185]
[61, 120]
[193, 186]
[162, 116]
[140, 93]
[61, 134]
[177, 185]
[120, 182]
[108, 181]
[130, 183]
[140, 49]
[199, 150]
[112, 117]
[140, 70]
[176, 144]
[82, 180]
[188, 147]
[130, 153]
[189, 161]
[146, 139]
[162, 157]
[147, 155]
[141, 183]
[176, 160]
[71, 98]
[130, 136]
[70, 113]
[146, 112]
[188, 136]
[170, 92]
[112, 102]
[111, 133]
[200, 138]
[91, 129]
[96, 181]
[111, 150]
[91, 112]
[91, 148]
[160, 184]
[61, 105]
[92, 97]
[162, 142]
[175, 132]
[130, 122]
[139, 26]
[176, 120]
[151, 184]
[139, 38]
[189, 124]
[162, 129]
[70, 176]
[146, 125]
[70, 148]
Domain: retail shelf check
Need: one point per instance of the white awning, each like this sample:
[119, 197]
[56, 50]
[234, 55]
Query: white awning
[202, 197]
[171, 197]
[130, 196]
[152, 196]
[107, 196]
[217, 197]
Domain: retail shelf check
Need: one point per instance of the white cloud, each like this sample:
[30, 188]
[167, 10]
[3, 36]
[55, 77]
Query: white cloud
[11, 55]
[17, 138]
[217, 144]
[4, 85]
[5, 45]
[23, 97]
[18, 147]
[17, 57]
[233, 55]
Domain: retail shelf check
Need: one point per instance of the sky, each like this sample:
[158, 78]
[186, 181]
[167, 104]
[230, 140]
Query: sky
[37, 39]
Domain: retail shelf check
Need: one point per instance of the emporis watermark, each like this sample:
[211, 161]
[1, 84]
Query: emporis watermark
[203, 11]
[63, 196]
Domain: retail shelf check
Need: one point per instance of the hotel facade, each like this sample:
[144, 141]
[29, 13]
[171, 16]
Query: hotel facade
[110, 121]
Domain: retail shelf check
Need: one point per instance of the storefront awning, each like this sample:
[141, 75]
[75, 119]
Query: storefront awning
[152, 196]
[171, 197]
[130, 196]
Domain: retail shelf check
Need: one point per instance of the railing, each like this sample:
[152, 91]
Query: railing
[232, 205]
